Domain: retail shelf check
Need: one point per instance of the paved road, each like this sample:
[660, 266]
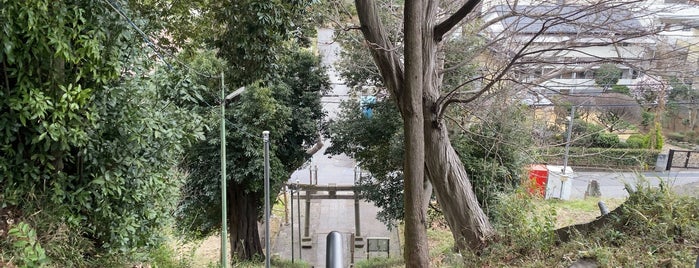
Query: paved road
[335, 169]
[330, 215]
[612, 183]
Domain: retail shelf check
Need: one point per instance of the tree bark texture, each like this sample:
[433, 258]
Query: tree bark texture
[468, 223]
[416, 248]
[416, 92]
[242, 223]
[382, 50]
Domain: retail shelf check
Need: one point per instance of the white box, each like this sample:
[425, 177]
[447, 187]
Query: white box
[559, 185]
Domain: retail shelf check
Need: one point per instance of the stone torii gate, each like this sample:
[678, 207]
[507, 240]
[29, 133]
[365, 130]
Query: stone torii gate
[312, 192]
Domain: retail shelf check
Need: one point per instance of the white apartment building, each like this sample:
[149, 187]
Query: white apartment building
[679, 22]
[561, 45]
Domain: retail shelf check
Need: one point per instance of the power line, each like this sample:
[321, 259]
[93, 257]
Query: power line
[156, 48]
[145, 37]
[153, 46]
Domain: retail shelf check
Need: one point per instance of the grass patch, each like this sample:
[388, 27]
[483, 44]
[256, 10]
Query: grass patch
[586, 205]
[277, 262]
[655, 228]
[441, 244]
[570, 212]
[440, 240]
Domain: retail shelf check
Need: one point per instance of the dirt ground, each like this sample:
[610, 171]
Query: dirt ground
[208, 251]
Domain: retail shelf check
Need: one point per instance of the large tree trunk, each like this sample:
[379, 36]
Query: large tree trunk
[416, 92]
[242, 223]
[416, 251]
[468, 223]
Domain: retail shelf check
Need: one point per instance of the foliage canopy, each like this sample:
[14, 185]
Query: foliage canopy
[90, 129]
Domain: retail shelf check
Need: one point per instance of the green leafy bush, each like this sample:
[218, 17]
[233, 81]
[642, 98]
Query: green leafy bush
[637, 141]
[621, 89]
[280, 263]
[165, 256]
[583, 133]
[90, 138]
[26, 247]
[586, 134]
[653, 228]
[524, 225]
[606, 140]
[688, 136]
[677, 136]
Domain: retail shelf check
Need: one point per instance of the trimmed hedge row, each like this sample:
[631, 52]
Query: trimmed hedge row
[601, 157]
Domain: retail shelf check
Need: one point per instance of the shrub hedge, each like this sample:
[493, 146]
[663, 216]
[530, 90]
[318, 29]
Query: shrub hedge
[638, 141]
[601, 157]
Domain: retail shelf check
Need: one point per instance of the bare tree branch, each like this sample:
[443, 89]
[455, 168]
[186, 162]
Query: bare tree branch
[382, 49]
[525, 57]
[445, 103]
[443, 27]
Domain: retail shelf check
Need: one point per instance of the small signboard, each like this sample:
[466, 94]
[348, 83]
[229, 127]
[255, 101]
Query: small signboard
[378, 244]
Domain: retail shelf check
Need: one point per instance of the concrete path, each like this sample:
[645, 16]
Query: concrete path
[330, 215]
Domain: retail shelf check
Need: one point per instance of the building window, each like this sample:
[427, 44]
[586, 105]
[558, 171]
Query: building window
[589, 74]
[625, 73]
[580, 75]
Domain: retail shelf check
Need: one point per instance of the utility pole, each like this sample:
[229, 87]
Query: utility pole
[570, 129]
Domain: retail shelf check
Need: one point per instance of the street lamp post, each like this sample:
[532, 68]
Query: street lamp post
[224, 209]
[298, 215]
[265, 137]
[224, 225]
[291, 190]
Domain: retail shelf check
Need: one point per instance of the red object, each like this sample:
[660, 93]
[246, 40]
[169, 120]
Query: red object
[538, 175]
